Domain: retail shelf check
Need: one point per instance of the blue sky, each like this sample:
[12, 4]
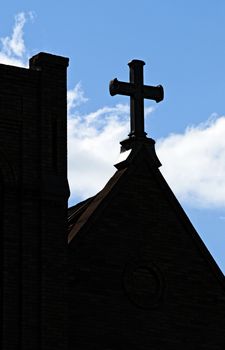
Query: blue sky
[182, 43]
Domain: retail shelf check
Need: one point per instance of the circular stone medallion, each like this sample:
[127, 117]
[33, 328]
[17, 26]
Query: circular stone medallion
[143, 284]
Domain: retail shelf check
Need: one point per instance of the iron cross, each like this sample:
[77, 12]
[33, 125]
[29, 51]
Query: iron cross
[137, 92]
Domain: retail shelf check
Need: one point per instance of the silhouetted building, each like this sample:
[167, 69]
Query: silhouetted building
[34, 193]
[139, 275]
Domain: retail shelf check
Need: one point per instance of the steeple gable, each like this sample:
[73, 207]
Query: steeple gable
[140, 275]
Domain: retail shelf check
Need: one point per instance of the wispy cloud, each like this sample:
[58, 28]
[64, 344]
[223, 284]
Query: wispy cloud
[75, 97]
[13, 50]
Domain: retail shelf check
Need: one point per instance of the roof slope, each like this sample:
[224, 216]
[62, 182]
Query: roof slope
[82, 214]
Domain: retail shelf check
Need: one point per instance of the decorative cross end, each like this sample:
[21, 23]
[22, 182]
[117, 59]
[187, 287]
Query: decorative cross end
[114, 87]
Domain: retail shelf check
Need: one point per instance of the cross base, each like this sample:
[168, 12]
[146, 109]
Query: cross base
[134, 145]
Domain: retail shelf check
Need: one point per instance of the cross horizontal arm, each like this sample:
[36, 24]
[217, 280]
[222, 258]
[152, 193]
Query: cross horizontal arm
[119, 87]
[155, 93]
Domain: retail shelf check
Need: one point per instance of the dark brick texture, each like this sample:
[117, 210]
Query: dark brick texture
[34, 193]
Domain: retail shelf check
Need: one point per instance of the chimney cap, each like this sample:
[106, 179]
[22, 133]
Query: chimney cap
[43, 59]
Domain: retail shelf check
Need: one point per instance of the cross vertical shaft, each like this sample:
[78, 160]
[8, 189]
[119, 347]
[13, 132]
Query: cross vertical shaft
[136, 99]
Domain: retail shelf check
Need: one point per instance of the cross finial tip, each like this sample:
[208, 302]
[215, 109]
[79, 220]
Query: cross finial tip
[136, 62]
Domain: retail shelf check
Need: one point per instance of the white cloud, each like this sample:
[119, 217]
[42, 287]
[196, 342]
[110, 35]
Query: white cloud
[194, 163]
[93, 144]
[13, 50]
[75, 97]
[93, 147]
[15, 44]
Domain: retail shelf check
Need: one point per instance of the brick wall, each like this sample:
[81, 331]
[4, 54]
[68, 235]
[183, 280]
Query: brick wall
[33, 167]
